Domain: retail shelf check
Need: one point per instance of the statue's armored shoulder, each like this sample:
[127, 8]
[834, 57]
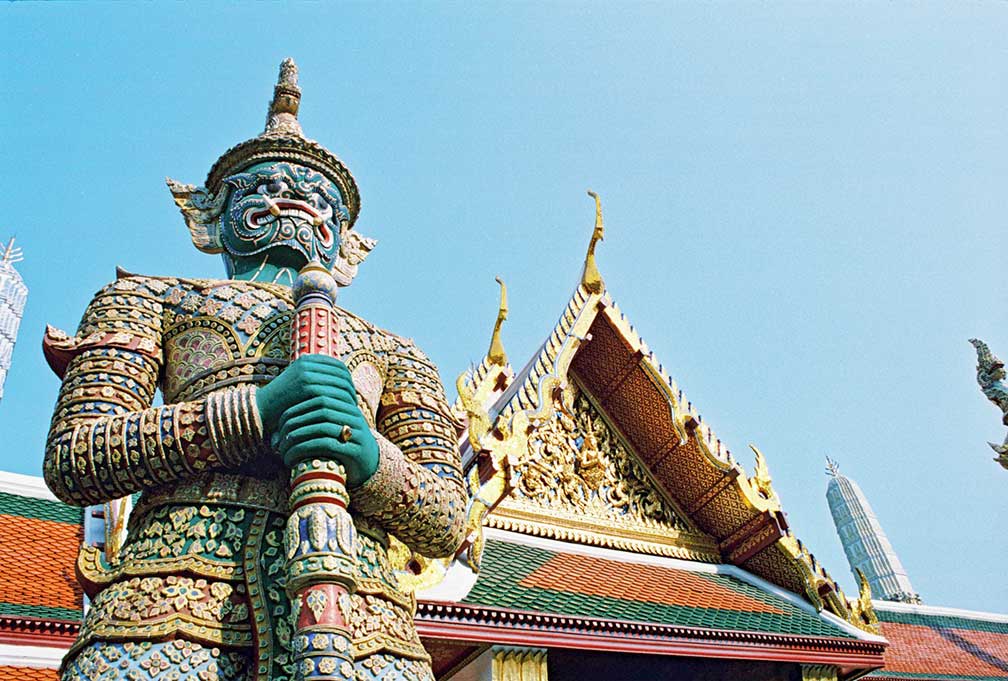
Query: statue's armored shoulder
[125, 314]
[412, 376]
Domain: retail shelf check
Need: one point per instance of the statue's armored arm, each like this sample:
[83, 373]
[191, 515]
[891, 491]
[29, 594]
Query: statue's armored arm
[417, 493]
[106, 441]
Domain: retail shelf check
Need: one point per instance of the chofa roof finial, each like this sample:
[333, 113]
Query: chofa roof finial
[496, 354]
[283, 110]
[591, 279]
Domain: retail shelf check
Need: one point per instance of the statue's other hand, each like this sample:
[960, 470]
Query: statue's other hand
[313, 428]
[305, 378]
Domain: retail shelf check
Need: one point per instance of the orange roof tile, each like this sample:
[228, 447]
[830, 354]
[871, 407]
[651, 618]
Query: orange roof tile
[920, 649]
[615, 579]
[928, 643]
[38, 557]
[28, 674]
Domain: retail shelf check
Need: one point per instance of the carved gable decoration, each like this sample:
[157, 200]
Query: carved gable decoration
[579, 481]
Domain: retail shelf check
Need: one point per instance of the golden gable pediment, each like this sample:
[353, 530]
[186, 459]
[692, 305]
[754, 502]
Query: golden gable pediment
[578, 480]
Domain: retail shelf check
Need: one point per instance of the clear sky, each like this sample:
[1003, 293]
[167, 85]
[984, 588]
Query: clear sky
[805, 208]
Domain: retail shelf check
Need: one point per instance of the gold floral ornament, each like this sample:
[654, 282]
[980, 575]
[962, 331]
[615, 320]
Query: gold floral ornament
[281, 140]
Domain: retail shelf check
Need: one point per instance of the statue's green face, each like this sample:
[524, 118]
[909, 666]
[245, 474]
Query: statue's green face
[290, 212]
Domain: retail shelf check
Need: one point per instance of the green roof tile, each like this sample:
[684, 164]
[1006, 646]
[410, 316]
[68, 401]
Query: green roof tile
[941, 621]
[40, 611]
[43, 509]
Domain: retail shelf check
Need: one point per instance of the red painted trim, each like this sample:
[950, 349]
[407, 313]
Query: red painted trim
[732, 650]
[518, 627]
[446, 611]
[32, 631]
[318, 475]
[319, 499]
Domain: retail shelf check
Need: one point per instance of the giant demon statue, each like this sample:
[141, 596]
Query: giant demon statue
[227, 572]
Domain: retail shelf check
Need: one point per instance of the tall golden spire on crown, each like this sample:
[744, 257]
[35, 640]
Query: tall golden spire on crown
[283, 140]
[283, 110]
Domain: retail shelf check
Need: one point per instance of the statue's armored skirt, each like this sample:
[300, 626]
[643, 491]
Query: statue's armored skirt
[197, 590]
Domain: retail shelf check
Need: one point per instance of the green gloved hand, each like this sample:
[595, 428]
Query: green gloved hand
[304, 410]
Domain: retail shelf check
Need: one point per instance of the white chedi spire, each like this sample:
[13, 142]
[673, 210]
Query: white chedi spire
[13, 294]
[865, 543]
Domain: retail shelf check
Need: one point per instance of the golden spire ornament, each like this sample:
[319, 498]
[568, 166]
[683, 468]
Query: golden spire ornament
[496, 354]
[590, 278]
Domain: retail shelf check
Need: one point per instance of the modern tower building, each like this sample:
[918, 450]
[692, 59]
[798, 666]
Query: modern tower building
[865, 543]
[13, 294]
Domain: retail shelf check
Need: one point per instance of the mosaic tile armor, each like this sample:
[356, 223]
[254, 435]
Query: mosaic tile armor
[201, 575]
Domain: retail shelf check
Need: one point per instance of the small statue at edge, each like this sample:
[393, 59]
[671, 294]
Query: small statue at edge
[990, 376]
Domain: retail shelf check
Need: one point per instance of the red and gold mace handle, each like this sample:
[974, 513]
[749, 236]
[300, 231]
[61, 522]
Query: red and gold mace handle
[321, 539]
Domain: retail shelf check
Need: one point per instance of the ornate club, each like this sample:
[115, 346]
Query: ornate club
[321, 539]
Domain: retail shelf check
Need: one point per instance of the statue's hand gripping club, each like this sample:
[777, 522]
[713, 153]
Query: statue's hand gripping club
[315, 435]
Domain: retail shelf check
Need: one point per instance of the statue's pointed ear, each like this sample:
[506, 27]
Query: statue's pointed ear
[352, 250]
[201, 211]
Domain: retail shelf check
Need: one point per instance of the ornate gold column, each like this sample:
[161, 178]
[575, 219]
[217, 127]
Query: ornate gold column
[818, 672]
[520, 664]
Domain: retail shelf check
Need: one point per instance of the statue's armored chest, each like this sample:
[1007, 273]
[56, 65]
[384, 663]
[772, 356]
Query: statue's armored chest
[221, 335]
[235, 332]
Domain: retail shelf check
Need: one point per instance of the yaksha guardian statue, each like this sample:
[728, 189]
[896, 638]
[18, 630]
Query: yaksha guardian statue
[226, 573]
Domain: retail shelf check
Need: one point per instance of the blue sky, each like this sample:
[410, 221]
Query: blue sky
[805, 209]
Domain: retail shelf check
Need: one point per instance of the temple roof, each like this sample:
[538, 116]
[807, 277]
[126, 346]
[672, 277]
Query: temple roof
[722, 514]
[39, 541]
[607, 515]
[547, 592]
[550, 577]
[935, 644]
